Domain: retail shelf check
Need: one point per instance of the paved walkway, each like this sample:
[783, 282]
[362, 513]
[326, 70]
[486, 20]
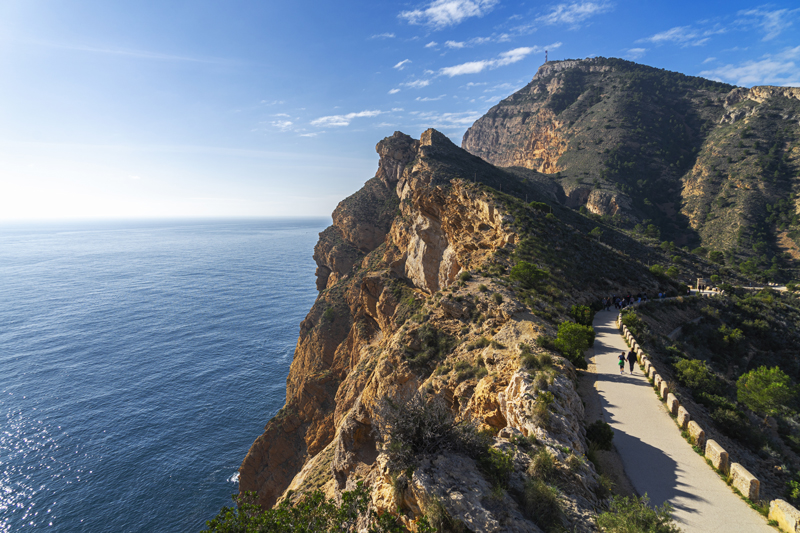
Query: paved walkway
[657, 459]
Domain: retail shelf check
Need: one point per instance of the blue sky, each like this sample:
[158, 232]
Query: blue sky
[215, 109]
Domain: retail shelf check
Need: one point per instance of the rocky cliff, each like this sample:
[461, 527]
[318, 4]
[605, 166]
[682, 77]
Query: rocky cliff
[416, 301]
[707, 163]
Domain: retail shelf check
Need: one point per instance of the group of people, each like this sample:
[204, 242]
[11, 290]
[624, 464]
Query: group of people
[621, 302]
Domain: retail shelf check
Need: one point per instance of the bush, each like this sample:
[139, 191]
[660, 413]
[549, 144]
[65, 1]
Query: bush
[483, 288]
[717, 257]
[540, 206]
[765, 390]
[573, 340]
[600, 434]
[657, 270]
[527, 275]
[540, 504]
[634, 515]
[635, 324]
[695, 374]
[415, 428]
[582, 314]
[498, 298]
[465, 276]
[434, 344]
[497, 466]
[311, 514]
[329, 315]
[542, 465]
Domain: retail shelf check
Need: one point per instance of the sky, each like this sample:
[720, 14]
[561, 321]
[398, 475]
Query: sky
[156, 109]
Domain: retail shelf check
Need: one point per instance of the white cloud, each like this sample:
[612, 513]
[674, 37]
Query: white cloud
[281, 115]
[397, 109]
[454, 44]
[417, 84]
[635, 53]
[401, 65]
[506, 58]
[447, 120]
[429, 98]
[779, 69]
[273, 102]
[709, 60]
[431, 44]
[684, 36]
[772, 23]
[394, 91]
[313, 134]
[343, 120]
[443, 13]
[473, 84]
[282, 125]
[383, 36]
[573, 14]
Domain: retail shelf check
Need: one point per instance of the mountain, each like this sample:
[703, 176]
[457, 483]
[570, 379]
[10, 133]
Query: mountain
[714, 167]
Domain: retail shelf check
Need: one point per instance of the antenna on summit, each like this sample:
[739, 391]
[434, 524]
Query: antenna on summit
[545, 56]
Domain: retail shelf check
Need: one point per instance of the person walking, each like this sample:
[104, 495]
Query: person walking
[631, 360]
[621, 363]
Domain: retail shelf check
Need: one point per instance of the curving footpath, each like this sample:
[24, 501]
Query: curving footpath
[657, 459]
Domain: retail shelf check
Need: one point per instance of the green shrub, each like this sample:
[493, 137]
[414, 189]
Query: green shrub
[418, 427]
[540, 206]
[765, 390]
[573, 340]
[434, 344]
[582, 314]
[657, 270]
[329, 315]
[635, 324]
[717, 257]
[634, 515]
[465, 276]
[527, 275]
[483, 288]
[600, 434]
[311, 514]
[542, 466]
[540, 504]
[497, 466]
[498, 298]
[482, 342]
[695, 374]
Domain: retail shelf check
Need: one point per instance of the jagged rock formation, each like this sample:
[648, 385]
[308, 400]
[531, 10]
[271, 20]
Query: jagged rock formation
[394, 319]
[708, 163]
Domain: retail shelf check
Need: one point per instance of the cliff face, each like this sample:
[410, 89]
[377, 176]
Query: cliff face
[705, 162]
[395, 318]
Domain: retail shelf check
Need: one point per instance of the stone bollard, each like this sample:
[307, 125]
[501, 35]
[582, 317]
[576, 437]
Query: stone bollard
[672, 404]
[745, 482]
[787, 517]
[652, 373]
[718, 456]
[657, 382]
[697, 434]
[683, 417]
[663, 389]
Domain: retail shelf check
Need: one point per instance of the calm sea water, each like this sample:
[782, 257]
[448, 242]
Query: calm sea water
[138, 362]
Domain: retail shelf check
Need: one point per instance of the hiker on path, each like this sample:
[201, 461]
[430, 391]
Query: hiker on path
[631, 359]
[621, 363]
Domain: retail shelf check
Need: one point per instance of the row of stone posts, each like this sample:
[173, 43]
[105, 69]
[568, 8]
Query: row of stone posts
[787, 517]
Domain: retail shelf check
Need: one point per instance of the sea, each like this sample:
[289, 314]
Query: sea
[139, 360]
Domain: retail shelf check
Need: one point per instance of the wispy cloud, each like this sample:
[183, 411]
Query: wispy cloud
[312, 134]
[132, 53]
[446, 120]
[401, 65]
[455, 44]
[506, 58]
[635, 53]
[431, 44]
[443, 13]
[683, 36]
[777, 69]
[429, 98]
[417, 84]
[772, 23]
[709, 60]
[383, 36]
[343, 120]
[574, 14]
[394, 91]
